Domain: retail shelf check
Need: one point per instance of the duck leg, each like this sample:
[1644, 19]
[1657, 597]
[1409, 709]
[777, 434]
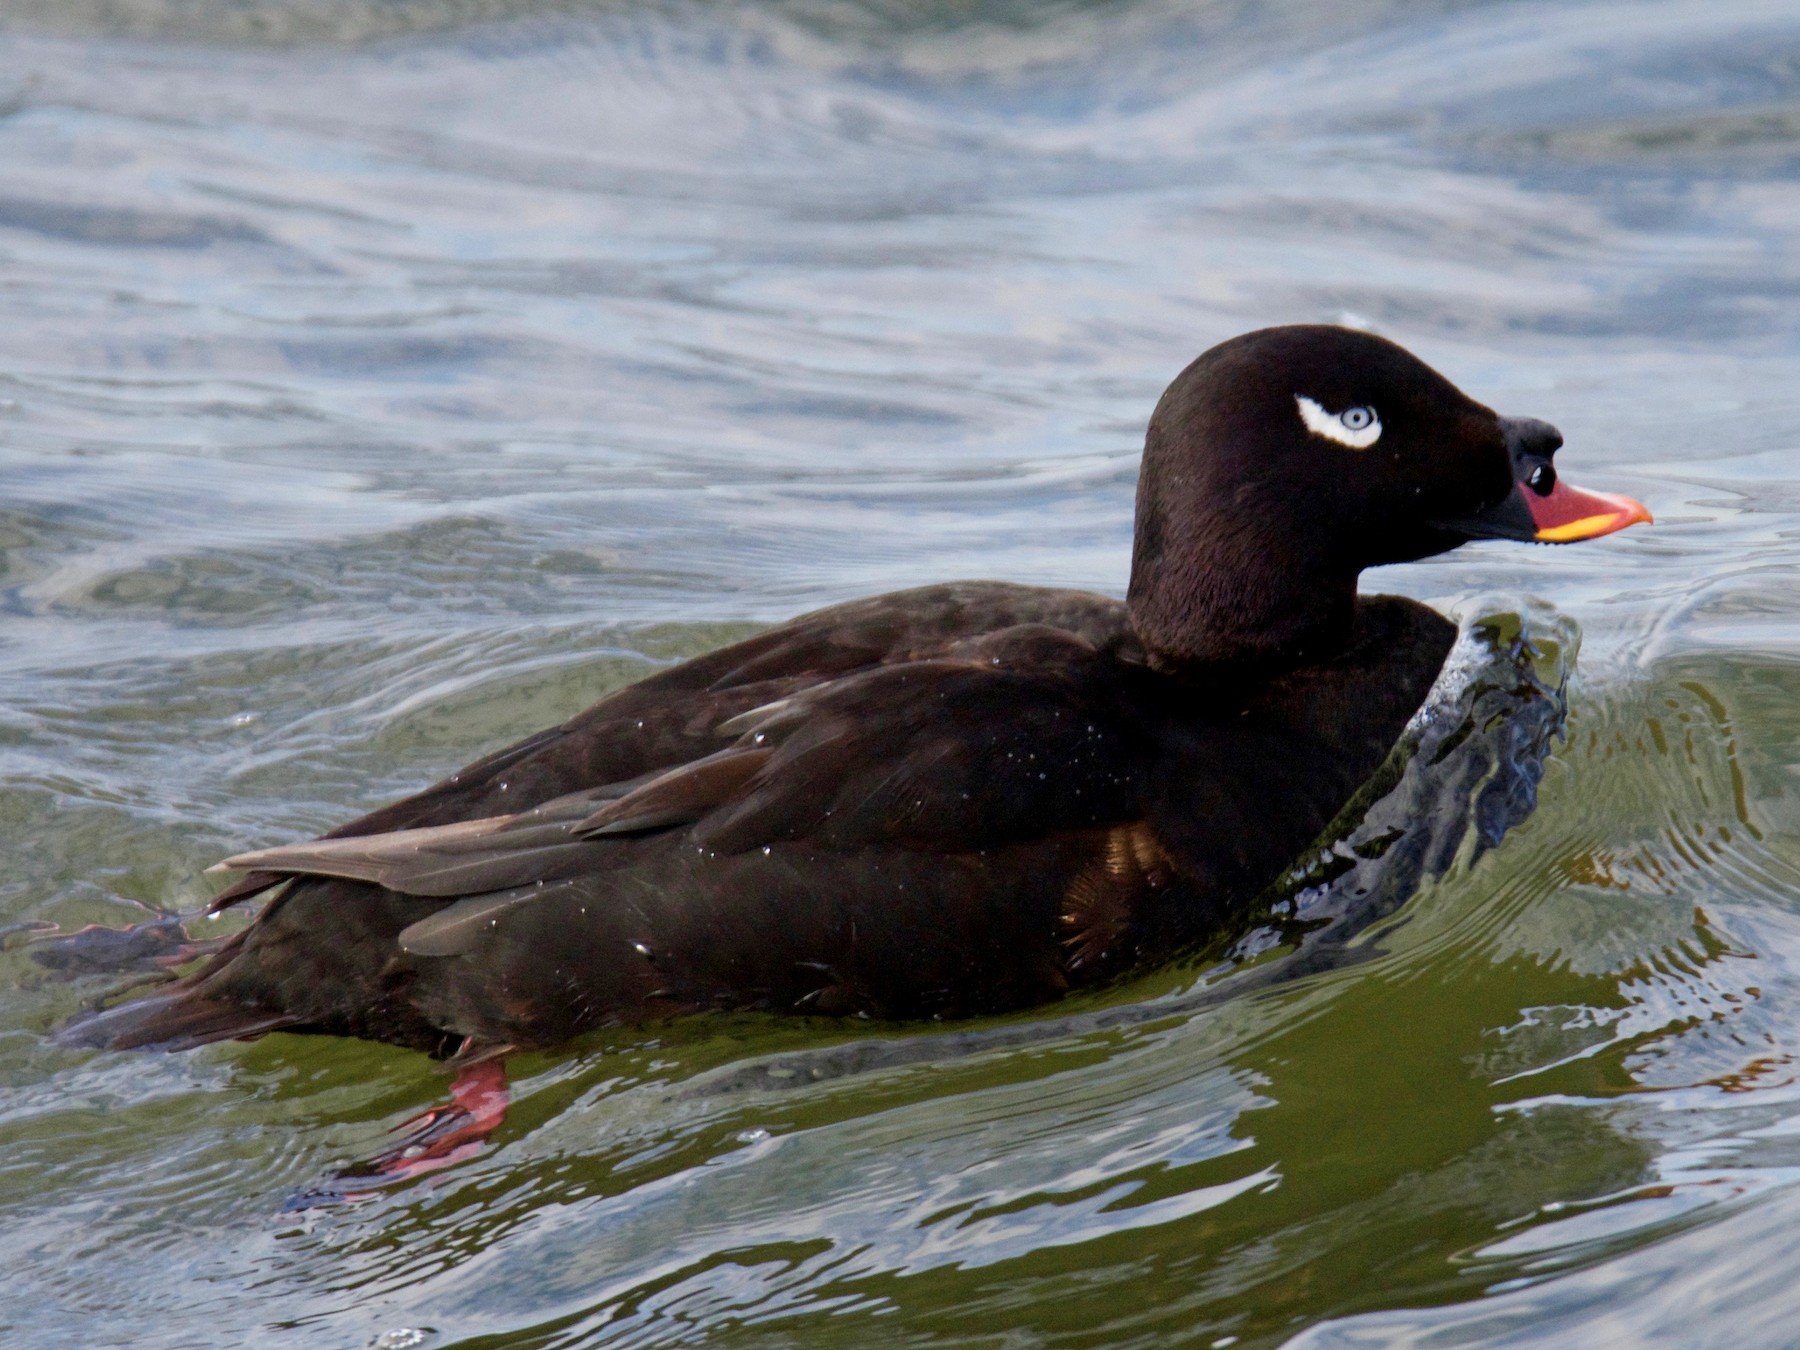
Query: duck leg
[439, 1137]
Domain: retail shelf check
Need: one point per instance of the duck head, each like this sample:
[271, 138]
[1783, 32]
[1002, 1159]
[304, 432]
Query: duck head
[1281, 463]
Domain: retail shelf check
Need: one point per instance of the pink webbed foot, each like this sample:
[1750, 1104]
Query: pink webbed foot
[440, 1137]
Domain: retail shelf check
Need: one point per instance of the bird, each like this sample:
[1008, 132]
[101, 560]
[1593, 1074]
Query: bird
[961, 799]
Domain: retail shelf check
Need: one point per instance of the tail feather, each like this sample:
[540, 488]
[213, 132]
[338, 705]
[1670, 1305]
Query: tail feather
[176, 1019]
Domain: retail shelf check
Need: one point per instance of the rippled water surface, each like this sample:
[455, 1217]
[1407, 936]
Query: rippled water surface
[381, 381]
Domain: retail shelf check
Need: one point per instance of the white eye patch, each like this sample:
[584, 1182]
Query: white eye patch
[1358, 427]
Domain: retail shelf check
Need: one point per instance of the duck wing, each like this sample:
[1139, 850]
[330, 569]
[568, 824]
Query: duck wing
[681, 715]
[1003, 738]
[951, 754]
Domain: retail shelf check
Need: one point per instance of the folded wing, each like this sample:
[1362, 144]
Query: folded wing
[1004, 738]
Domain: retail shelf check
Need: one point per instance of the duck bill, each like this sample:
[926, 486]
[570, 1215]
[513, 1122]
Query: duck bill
[1572, 513]
[1566, 515]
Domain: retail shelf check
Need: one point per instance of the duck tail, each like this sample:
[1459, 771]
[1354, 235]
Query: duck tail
[178, 1018]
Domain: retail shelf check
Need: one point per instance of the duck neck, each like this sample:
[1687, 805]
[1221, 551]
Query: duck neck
[1207, 593]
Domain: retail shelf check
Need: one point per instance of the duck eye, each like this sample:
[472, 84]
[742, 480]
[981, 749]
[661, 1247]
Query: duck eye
[1541, 480]
[1358, 427]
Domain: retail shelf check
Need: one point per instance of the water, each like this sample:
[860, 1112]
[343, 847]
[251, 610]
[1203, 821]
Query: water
[380, 381]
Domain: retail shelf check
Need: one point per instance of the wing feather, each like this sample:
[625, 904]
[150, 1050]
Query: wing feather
[992, 738]
[464, 858]
[680, 796]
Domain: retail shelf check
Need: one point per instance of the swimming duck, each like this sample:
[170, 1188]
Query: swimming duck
[960, 799]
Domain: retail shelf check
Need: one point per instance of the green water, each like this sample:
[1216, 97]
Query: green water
[381, 382]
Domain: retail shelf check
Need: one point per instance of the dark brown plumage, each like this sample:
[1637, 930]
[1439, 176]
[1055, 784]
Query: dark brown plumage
[960, 799]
